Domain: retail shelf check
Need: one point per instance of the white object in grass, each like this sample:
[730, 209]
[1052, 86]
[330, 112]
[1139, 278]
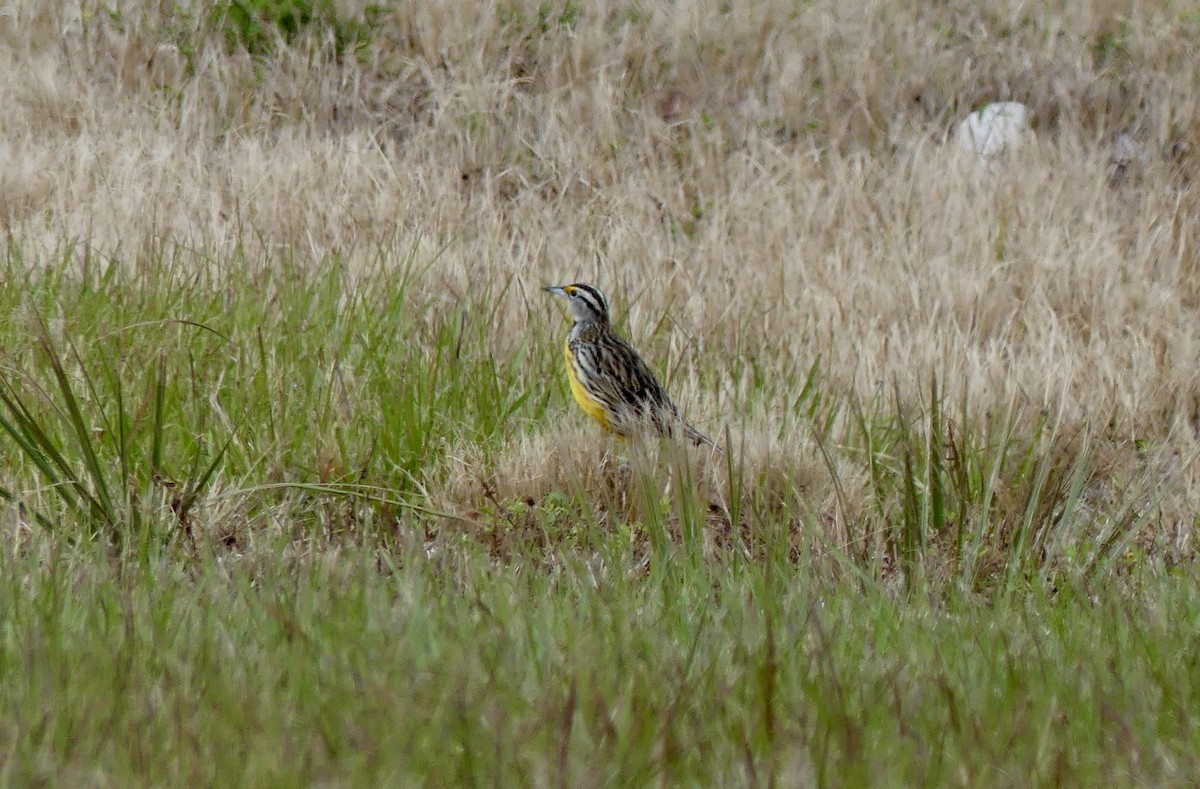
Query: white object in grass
[994, 129]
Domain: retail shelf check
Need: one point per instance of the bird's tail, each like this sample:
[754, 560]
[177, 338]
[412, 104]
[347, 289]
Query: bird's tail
[698, 438]
[669, 423]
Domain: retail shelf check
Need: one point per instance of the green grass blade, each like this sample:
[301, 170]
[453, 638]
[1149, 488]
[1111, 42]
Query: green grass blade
[160, 396]
[103, 506]
[37, 445]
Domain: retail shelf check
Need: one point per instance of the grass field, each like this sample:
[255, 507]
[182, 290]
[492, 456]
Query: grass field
[293, 493]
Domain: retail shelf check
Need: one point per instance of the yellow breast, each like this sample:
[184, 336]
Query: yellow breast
[590, 405]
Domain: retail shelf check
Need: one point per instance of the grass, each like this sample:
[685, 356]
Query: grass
[293, 491]
[349, 667]
[266, 598]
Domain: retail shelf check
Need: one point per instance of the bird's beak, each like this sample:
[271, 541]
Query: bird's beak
[555, 289]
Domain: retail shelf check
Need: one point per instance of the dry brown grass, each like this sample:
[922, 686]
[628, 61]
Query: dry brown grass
[771, 174]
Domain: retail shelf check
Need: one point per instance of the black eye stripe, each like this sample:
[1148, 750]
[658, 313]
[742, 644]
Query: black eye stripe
[593, 297]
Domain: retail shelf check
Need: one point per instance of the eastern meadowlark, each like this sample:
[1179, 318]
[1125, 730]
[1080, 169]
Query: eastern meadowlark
[608, 378]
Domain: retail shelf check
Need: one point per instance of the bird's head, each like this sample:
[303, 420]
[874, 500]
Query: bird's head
[588, 304]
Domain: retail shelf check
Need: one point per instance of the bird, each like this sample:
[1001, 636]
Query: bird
[609, 380]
